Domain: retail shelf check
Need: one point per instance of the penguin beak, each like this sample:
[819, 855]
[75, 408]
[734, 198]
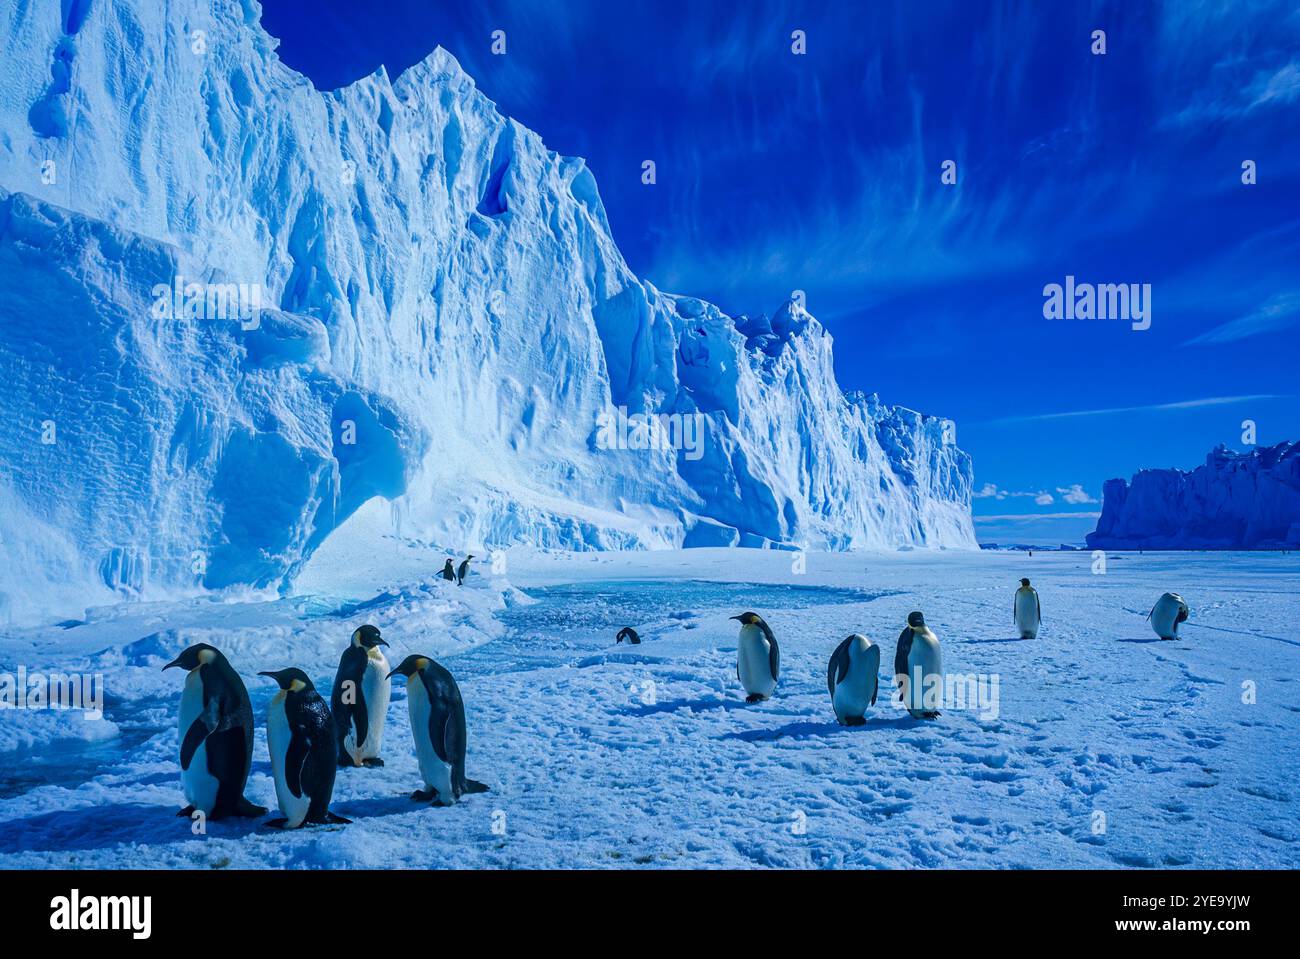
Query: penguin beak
[379, 641]
[174, 662]
[733, 617]
[393, 673]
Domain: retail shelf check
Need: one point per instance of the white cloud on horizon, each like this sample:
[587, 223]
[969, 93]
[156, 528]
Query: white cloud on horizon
[1026, 517]
[1075, 494]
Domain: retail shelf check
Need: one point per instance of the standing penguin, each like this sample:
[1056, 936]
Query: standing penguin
[915, 662]
[449, 572]
[215, 733]
[628, 633]
[1027, 610]
[1166, 614]
[438, 727]
[359, 700]
[852, 678]
[300, 735]
[463, 571]
[758, 658]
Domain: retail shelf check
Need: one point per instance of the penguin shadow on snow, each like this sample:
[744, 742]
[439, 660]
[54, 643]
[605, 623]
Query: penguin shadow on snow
[695, 705]
[375, 807]
[811, 730]
[105, 827]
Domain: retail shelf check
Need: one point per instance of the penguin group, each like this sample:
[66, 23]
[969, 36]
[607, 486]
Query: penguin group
[853, 672]
[309, 739]
[456, 574]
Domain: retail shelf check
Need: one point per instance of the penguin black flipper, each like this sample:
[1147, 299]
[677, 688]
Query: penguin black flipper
[194, 738]
[773, 651]
[904, 649]
[352, 668]
[444, 696]
[873, 668]
[294, 760]
[838, 667]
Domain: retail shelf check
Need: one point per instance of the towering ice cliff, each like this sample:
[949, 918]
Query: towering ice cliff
[1235, 501]
[239, 315]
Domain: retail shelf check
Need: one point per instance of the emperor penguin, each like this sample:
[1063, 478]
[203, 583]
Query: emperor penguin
[628, 633]
[300, 735]
[359, 700]
[463, 570]
[1027, 610]
[438, 727]
[852, 678]
[1166, 614]
[916, 660]
[449, 571]
[758, 658]
[215, 733]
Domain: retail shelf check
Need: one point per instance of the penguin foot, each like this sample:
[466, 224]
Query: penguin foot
[855, 721]
[474, 786]
[277, 823]
[931, 714]
[755, 698]
[248, 810]
[328, 818]
[424, 795]
[372, 761]
[187, 811]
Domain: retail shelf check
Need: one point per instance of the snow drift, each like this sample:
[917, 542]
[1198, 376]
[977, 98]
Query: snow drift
[444, 317]
[1234, 501]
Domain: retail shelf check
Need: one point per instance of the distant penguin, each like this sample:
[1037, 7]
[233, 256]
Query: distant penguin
[758, 658]
[463, 571]
[852, 678]
[915, 662]
[215, 733]
[628, 633]
[438, 727]
[449, 572]
[1027, 610]
[359, 699]
[300, 735]
[1166, 614]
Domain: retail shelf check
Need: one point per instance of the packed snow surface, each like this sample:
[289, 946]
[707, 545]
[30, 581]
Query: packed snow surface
[1109, 747]
[1232, 501]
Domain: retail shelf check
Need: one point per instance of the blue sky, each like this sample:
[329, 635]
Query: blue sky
[821, 172]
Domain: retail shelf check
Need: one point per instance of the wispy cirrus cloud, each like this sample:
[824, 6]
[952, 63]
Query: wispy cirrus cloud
[1278, 313]
[1151, 408]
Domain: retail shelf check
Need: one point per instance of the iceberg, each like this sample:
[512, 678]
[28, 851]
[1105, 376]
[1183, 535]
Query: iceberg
[1233, 501]
[240, 316]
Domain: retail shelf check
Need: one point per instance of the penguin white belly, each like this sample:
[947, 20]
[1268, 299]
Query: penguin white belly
[1027, 614]
[278, 736]
[375, 690]
[199, 785]
[435, 772]
[753, 663]
[1164, 618]
[922, 693]
[854, 693]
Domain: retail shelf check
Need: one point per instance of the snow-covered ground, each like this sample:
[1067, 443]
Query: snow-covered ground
[601, 755]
